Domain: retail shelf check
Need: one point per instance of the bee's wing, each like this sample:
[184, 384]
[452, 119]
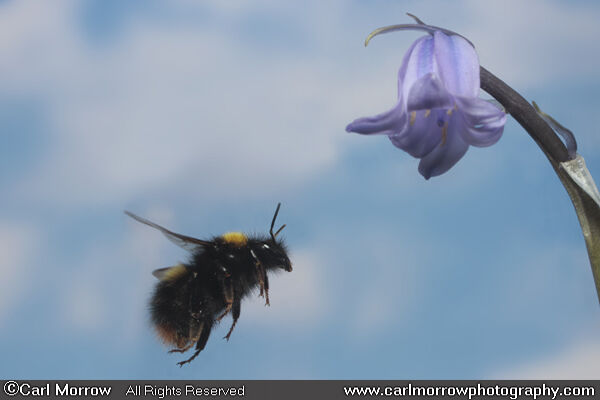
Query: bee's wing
[186, 242]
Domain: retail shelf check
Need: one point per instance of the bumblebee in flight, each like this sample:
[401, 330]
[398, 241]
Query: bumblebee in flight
[191, 298]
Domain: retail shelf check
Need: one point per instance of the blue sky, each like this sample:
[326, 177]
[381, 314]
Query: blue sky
[201, 116]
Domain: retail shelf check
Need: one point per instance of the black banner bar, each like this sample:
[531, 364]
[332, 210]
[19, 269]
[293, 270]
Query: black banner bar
[300, 390]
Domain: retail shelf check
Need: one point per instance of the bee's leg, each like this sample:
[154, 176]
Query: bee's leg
[228, 296]
[201, 343]
[195, 332]
[235, 313]
[184, 349]
[261, 275]
[266, 285]
[263, 281]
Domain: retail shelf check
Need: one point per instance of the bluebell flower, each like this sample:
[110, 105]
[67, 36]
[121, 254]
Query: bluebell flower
[438, 113]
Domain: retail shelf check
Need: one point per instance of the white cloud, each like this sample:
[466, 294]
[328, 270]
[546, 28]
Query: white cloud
[164, 104]
[578, 360]
[18, 246]
[168, 104]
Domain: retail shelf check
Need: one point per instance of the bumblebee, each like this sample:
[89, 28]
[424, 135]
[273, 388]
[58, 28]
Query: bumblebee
[191, 298]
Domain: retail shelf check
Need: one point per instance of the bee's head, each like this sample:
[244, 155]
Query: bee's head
[272, 252]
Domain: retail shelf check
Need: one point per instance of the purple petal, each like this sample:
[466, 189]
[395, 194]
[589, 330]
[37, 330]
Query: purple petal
[483, 122]
[446, 154]
[428, 92]
[458, 64]
[417, 62]
[478, 111]
[421, 136]
[388, 123]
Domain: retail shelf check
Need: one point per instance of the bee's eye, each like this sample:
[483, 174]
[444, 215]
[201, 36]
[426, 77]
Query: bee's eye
[265, 246]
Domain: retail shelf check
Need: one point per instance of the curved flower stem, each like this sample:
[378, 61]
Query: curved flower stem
[525, 115]
[572, 172]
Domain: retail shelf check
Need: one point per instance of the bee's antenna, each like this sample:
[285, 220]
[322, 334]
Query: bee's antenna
[273, 236]
[279, 230]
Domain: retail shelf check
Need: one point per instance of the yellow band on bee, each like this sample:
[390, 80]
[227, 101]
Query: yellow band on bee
[173, 272]
[235, 238]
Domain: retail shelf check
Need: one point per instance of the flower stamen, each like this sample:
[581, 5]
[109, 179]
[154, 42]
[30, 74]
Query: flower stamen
[427, 112]
[413, 117]
[444, 133]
